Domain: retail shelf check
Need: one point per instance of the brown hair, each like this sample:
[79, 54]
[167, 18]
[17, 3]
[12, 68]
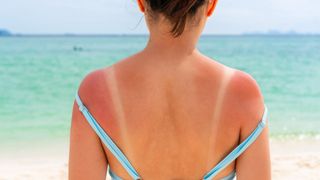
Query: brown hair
[176, 11]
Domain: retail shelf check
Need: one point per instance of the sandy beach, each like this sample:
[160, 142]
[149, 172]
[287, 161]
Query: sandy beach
[291, 159]
[295, 159]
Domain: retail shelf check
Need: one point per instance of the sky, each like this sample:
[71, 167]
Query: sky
[124, 17]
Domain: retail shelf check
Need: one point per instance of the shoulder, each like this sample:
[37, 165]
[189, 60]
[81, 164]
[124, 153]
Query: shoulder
[245, 87]
[86, 87]
[91, 84]
[89, 81]
[92, 92]
[242, 92]
[249, 110]
[246, 98]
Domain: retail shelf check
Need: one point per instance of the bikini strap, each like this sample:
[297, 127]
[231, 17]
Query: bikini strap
[239, 149]
[107, 140]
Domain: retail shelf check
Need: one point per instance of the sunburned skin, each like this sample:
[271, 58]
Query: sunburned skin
[174, 112]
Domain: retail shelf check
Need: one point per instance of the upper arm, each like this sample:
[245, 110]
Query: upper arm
[87, 159]
[254, 162]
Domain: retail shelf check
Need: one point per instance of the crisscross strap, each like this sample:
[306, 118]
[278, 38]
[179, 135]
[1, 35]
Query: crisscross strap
[133, 173]
[239, 149]
[107, 140]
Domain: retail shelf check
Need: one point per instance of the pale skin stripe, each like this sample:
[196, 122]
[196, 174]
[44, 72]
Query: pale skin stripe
[120, 115]
[216, 113]
[113, 87]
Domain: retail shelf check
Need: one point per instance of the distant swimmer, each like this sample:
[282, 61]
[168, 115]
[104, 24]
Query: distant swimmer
[76, 48]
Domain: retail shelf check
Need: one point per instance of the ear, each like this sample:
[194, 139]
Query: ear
[141, 5]
[212, 6]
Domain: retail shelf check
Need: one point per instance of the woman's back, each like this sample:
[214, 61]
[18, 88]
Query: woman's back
[172, 118]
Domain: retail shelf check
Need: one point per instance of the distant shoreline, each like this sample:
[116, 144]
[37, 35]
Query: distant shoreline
[269, 33]
[146, 35]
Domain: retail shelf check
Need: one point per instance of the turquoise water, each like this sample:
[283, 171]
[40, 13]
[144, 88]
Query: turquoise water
[40, 75]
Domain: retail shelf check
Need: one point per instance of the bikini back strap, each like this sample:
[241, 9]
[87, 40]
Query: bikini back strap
[107, 140]
[240, 148]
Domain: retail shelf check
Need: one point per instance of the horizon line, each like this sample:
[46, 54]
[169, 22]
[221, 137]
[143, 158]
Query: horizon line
[144, 34]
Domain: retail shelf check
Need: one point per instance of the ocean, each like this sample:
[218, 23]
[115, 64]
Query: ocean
[39, 77]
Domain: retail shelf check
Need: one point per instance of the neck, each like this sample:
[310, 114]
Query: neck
[172, 49]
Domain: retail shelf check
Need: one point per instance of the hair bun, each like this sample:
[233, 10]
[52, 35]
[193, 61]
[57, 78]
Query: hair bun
[176, 11]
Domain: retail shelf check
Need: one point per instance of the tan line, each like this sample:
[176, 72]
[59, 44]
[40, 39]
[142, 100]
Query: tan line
[117, 105]
[228, 72]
